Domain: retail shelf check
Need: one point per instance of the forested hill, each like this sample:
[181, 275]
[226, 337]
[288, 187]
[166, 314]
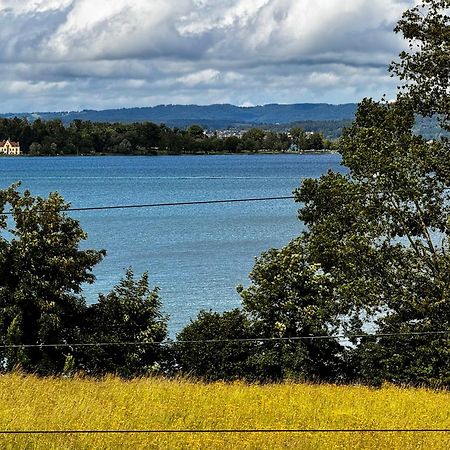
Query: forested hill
[211, 116]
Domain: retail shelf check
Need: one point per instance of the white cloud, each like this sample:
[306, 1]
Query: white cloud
[196, 51]
[26, 88]
[202, 77]
[32, 6]
[117, 29]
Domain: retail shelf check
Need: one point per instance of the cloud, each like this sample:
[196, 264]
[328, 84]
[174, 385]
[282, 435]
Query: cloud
[70, 54]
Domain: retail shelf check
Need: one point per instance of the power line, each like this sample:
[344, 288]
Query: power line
[200, 202]
[231, 431]
[188, 203]
[237, 340]
[159, 205]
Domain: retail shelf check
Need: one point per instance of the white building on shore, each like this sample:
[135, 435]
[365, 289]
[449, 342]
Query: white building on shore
[9, 148]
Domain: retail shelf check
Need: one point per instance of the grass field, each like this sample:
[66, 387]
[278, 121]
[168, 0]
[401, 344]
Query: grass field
[30, 403]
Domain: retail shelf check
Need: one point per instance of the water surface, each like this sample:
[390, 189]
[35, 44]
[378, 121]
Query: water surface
[195, 254]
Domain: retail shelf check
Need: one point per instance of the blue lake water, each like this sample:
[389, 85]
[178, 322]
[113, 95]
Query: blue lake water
[197, 255]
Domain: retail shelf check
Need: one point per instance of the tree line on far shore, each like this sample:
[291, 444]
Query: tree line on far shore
[89, 138]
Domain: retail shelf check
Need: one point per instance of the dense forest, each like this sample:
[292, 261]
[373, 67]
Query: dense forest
[83, 137]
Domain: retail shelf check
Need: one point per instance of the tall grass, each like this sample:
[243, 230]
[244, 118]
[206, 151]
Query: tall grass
[31, 403]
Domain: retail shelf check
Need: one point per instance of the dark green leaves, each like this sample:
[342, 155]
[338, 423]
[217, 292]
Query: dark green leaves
[42, 269]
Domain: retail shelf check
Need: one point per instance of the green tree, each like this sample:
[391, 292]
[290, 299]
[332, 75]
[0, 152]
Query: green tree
[231, 143]
[196, 132]
[216, 360]
[298, 135]
[131, 312]
[42, 270]
[314, 141]
[270, 140]
[425, 67]
[253, 139]
[149, 134]
[35, 148]
[124, 147]
[381, 230]
[381, 233]
[290, 297]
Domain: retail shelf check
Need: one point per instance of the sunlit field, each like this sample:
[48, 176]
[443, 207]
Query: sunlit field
[30, 403]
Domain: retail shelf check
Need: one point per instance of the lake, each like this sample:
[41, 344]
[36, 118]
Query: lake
[197, 255]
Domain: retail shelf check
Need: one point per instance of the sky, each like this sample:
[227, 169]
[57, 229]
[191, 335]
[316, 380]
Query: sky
[61, 55]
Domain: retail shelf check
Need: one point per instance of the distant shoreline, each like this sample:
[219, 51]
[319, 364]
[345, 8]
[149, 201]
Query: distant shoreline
[261, 153]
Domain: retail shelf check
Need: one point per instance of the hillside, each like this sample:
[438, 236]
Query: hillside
[211, 116]
[314, 117]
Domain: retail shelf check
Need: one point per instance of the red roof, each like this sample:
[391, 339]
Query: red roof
[13, 144]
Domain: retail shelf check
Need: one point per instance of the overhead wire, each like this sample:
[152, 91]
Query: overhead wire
[159, 205]
[172, 204]
[187, 203]
[236, 340]
[231, 431]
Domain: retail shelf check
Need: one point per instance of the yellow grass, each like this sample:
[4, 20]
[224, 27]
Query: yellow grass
[29, 403]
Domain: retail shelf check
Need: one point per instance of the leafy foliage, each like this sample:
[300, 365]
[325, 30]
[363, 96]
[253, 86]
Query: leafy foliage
[130, 313]
[381, 233]
[41, 272]
[85, 137]
[425, 68]
[216, 360]
[289, 297]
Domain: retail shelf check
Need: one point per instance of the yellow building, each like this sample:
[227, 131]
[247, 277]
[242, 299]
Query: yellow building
[9, 148]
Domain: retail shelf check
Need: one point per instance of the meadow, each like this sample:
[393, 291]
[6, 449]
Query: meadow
[31, 403]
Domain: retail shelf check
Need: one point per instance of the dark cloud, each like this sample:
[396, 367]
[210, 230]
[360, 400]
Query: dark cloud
[74, 54]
